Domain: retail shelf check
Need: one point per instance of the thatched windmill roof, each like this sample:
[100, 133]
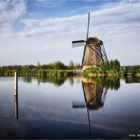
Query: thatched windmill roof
[95, 41]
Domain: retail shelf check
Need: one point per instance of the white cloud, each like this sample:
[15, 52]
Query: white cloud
[127, 15]
[10, 12]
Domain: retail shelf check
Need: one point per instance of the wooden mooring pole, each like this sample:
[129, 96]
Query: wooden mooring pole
[15, 83]
[16, 94]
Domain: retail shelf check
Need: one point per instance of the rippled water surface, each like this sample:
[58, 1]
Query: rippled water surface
[69, 108]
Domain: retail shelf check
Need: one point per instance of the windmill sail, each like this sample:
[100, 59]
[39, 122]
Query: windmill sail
[78, 43]
[85, 47]
[88, 25]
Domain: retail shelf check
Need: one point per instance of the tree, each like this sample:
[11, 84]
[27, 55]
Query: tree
[58, 65]
[116, 65]
[38, 65]
[111, 65]
[71, 65]
[77, 66]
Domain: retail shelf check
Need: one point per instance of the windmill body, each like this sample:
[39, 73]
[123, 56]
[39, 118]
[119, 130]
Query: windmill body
[92, 55]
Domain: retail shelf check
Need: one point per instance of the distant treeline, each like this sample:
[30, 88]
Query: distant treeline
[131, 69]
[107, 68]
[56, 68]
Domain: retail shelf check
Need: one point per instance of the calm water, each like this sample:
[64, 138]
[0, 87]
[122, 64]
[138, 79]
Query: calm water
[69, 108]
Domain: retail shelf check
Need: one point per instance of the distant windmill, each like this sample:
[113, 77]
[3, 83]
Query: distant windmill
[94, 51]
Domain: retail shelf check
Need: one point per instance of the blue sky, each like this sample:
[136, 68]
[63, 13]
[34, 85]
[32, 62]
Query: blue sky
[42, 30]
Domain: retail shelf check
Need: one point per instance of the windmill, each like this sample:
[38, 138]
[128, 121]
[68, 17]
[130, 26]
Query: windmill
[94, 51]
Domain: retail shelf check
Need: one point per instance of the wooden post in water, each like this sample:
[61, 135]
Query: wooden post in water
[16, 94]
[16, 106]
[15, 83]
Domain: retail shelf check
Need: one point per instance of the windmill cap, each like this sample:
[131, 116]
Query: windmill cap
[94, 40]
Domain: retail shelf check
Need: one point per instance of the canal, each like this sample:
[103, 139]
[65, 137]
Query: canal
[69, 108]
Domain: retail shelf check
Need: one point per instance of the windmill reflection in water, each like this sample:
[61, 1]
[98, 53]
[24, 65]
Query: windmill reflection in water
[94, 95]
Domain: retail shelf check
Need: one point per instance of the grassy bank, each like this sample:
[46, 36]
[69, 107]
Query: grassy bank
[112, 69]
[40, 72]
[54, 69]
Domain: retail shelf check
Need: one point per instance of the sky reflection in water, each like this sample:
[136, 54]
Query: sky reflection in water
[69, 108]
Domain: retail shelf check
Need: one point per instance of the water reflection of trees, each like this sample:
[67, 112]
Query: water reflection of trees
[132, 79]
[108, 82]
[56, 80]
[27, 79]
